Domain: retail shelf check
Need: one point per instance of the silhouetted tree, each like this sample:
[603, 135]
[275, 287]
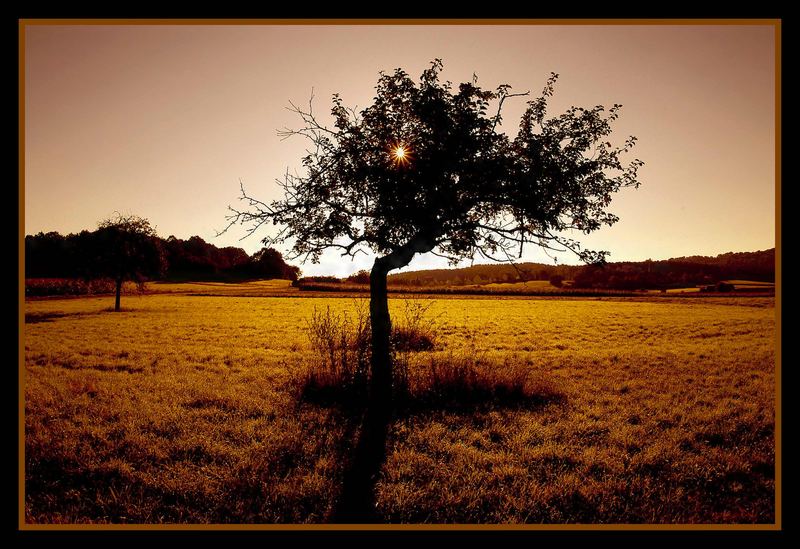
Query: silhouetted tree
[425, 169]
[269, 263]
[127, 248]
[361, 277]
[45, 255]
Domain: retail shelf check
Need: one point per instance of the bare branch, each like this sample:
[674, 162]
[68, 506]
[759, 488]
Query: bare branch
[503, 97]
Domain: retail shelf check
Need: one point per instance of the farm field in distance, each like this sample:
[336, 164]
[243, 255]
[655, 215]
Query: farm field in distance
[183, 408]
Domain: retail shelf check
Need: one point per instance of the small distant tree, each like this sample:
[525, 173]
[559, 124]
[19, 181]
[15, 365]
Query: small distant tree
[557, 280]
[361, 277]
[269, 263]
[725, 287]
[127, 248]
[425, 169]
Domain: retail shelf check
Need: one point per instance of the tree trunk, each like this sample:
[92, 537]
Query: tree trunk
[357, 500]
[356, 503]
[119, 291]
[381, 324]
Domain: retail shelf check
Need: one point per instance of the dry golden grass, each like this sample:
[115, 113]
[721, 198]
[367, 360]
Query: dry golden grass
[183, 409]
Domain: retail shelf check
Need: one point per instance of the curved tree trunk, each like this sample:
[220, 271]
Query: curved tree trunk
[380, 322]
[357, 500]
[381, 325]
[119, 292]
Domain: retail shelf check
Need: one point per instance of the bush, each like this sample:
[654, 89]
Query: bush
[467, 381]
[307, 281]
[557, 281]
[340, 369]
[339, 372]
[329, 279]
[415, 330]
[341, 346]
[361, 277]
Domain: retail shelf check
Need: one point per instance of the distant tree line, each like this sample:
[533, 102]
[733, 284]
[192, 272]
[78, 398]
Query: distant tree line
[73, 256]
[670, 273]
[483, 274]
[679, 272]
[196, 259]
[84, 256]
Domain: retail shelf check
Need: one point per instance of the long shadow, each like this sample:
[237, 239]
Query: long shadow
[363, 449]
[36, 318]
[356, 503]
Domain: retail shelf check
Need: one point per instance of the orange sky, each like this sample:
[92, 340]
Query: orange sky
[163, 121]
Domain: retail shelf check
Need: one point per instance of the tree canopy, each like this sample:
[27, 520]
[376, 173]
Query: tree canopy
[127, 248]
[425, 169]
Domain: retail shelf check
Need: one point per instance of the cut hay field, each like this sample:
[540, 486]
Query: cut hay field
[183, 408]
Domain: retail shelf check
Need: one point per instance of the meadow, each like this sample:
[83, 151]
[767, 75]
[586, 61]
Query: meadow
[184, 407]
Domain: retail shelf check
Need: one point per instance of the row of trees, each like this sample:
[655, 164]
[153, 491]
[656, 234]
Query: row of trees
[669, 273]
[679, 272]
[128, 248]
[196, 259]
[483, 274]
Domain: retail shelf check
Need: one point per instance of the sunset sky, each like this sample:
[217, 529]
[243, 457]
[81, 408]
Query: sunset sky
[163, 121]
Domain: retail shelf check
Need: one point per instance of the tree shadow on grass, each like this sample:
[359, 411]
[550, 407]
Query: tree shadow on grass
[36, 318]
[39, 317]
[454, 386]
[356, 503]
[480, 396]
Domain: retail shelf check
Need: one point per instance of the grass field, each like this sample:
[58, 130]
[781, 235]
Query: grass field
[183, 408]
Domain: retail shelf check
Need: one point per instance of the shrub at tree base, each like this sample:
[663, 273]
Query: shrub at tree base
[415, 330]
[464, 381]
[411, 340]
[339, 373]
[341, 347]
[339, 370]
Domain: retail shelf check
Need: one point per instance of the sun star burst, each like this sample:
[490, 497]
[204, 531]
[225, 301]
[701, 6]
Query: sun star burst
[400, 154]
